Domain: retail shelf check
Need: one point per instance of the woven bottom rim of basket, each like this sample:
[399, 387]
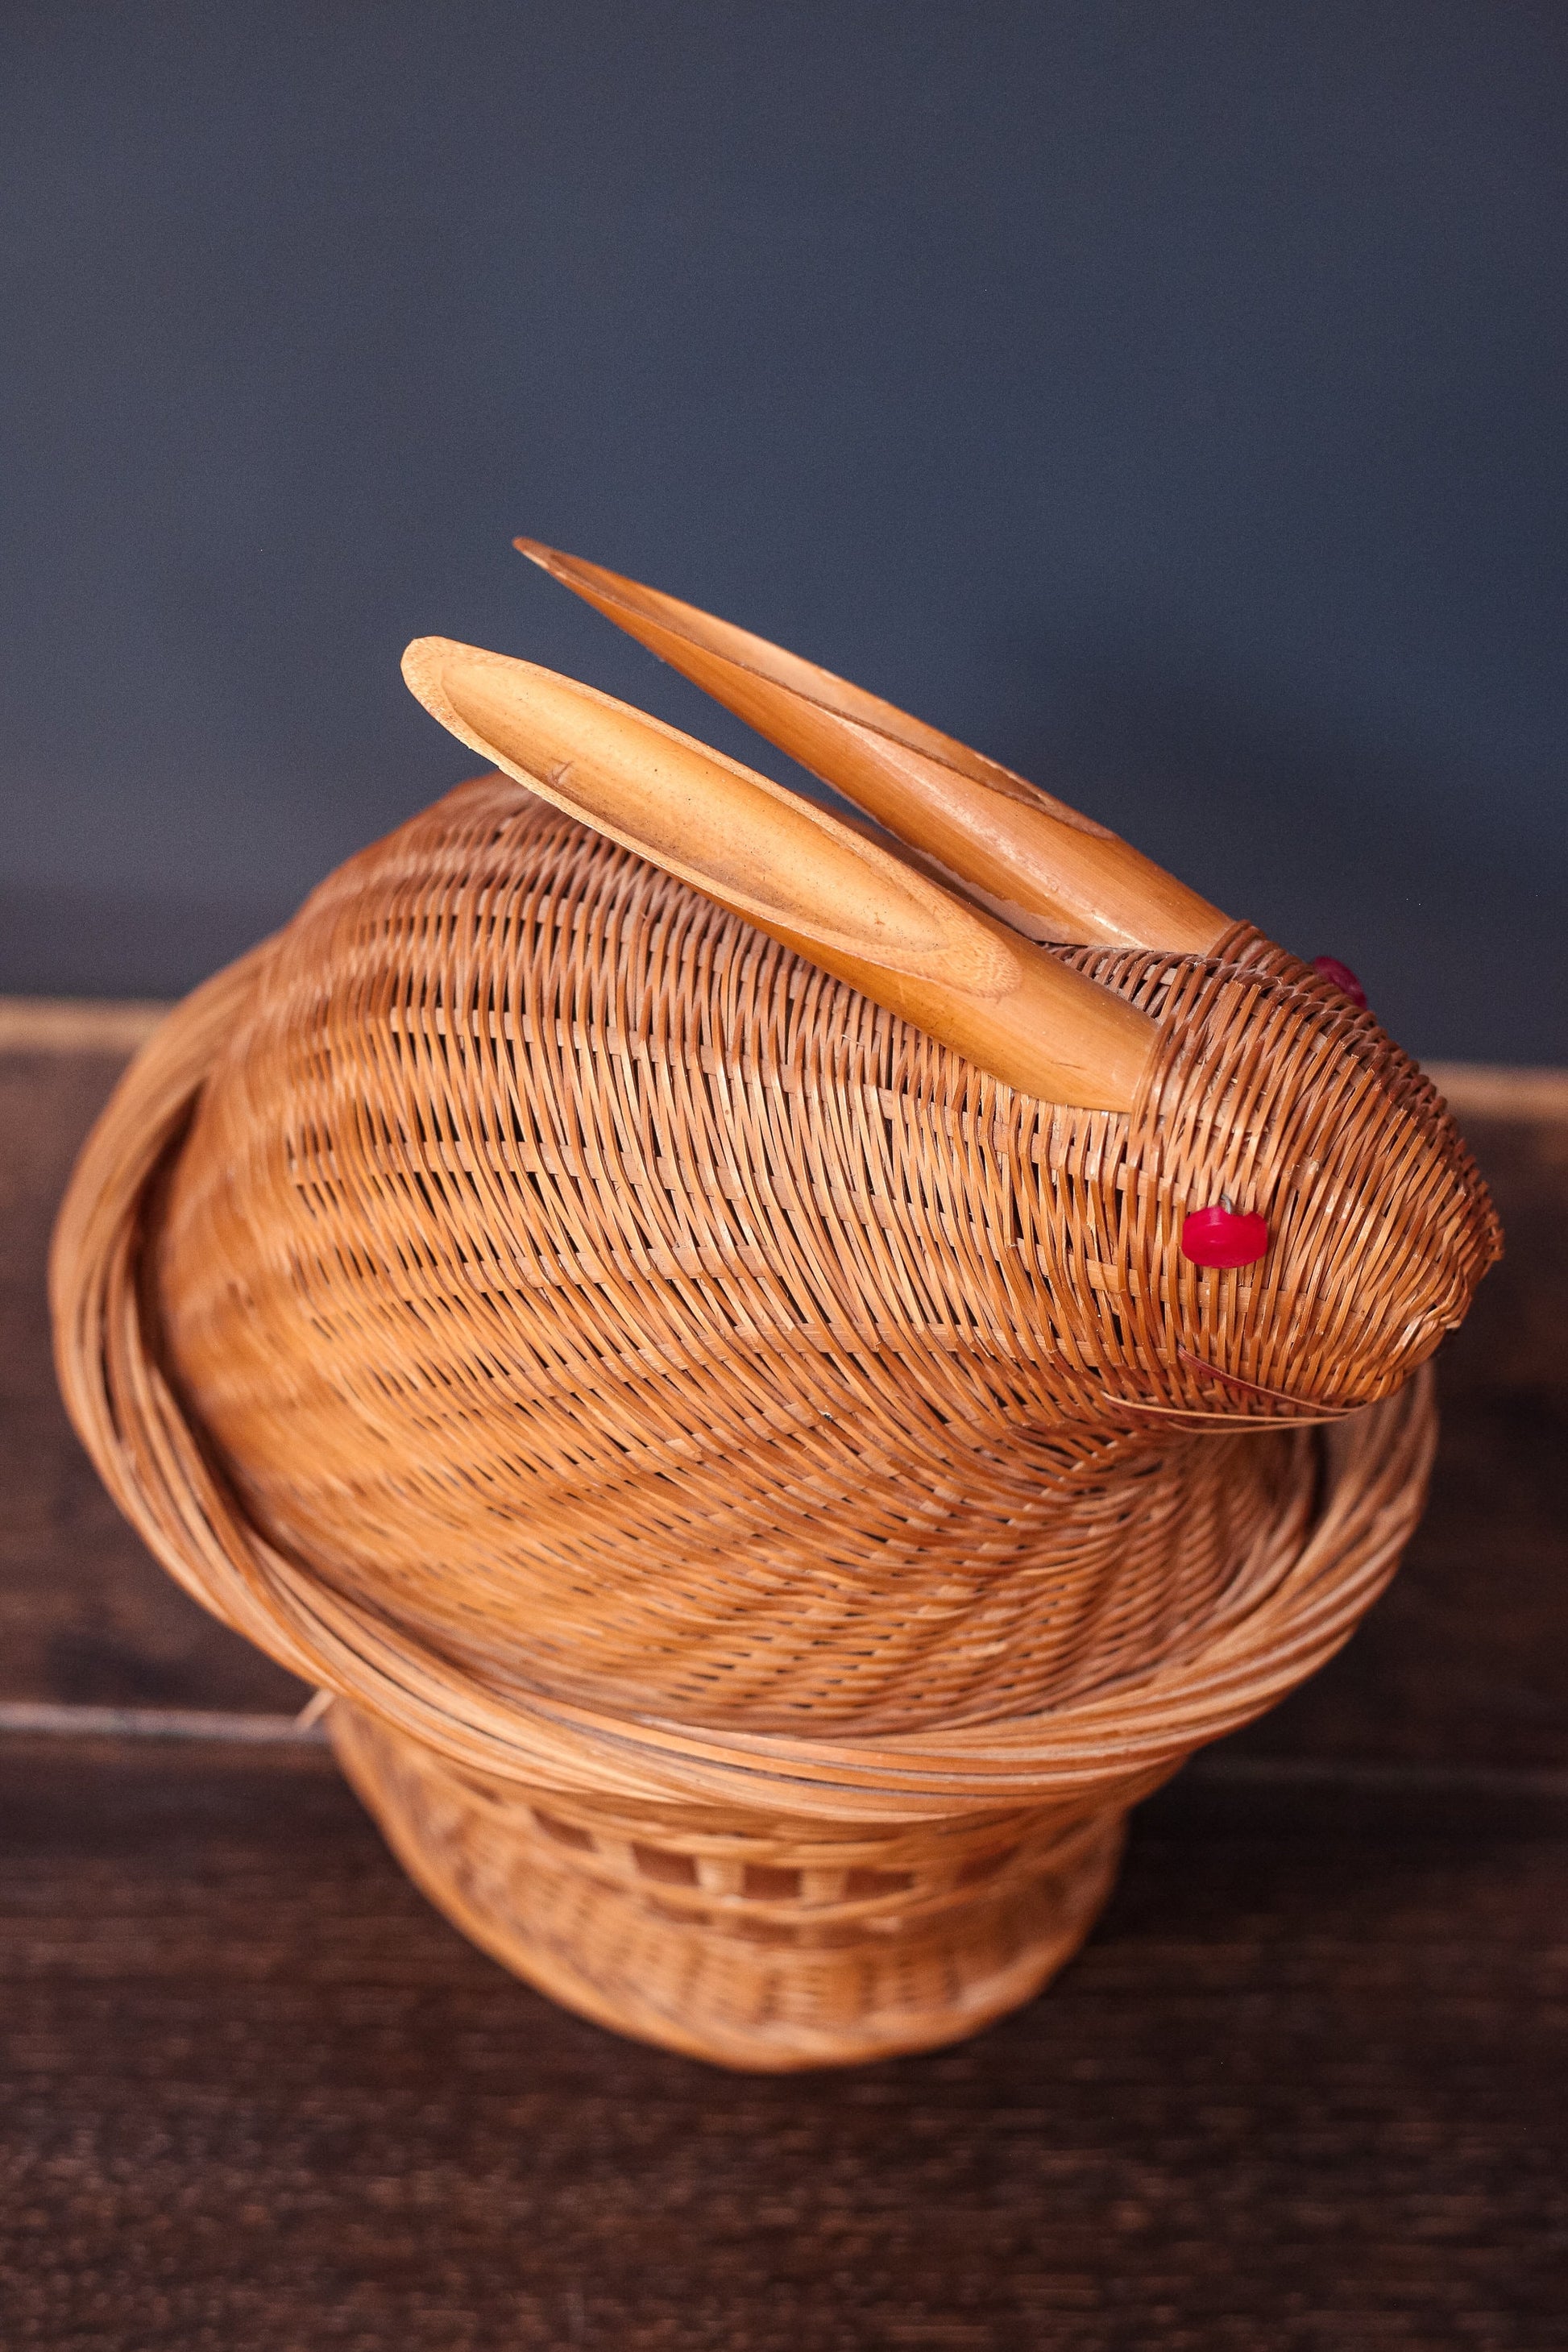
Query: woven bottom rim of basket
[625, 1957]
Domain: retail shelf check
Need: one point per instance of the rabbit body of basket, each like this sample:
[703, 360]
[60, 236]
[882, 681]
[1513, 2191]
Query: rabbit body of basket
[638, 1315]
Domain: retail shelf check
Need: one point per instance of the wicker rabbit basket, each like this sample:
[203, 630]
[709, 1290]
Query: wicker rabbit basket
[783, 1380]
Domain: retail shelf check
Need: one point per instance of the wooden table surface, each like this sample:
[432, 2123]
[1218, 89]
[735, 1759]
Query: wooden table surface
[1304, 2088]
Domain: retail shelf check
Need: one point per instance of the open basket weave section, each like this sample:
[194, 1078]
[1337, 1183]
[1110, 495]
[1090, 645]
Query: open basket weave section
[161, 1473]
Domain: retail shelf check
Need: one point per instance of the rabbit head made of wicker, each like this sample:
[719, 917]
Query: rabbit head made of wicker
[641, 1215]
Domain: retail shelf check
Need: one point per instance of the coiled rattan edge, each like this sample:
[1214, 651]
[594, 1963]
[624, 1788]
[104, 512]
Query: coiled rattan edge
[1375, 1465]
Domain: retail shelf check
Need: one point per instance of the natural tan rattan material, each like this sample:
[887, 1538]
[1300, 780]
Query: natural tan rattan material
[830, 891]
[1046, 869]
[769, 1489]
[762, 1901]
[644, 1319]
[773, 1495]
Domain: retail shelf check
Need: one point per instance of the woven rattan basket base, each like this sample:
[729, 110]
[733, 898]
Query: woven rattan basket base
[761, 1898]
[752, 1941]
[815, 1926]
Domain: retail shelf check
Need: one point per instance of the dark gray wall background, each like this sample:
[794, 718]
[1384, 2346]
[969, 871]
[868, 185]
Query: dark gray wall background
[1169, 399]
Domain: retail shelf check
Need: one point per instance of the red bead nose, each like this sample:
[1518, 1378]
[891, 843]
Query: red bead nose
[1342, 978]
[1225, 1237]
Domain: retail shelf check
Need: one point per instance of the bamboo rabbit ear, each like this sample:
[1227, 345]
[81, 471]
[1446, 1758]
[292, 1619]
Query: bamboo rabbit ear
[795, 871]
[1038, 863]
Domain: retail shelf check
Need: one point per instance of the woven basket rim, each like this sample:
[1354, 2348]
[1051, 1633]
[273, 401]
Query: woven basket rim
[163, 1473]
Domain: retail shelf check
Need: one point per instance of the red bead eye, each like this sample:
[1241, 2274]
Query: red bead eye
[1223, 1238]
[1341, 977]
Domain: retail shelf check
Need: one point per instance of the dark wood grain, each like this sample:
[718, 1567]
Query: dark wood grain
[1303, 2091]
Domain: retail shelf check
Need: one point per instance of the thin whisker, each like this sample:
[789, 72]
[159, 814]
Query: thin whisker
[1230, 1420]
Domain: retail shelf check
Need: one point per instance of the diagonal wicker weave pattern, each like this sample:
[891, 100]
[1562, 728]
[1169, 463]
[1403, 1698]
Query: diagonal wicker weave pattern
[736, 1456]
[546, 1234]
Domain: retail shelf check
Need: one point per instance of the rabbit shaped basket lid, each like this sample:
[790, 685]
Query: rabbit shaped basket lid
[647, 1246]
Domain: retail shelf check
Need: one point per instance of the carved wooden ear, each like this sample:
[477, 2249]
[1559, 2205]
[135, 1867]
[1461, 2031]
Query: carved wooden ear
[1039, 864]
[795, 871]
